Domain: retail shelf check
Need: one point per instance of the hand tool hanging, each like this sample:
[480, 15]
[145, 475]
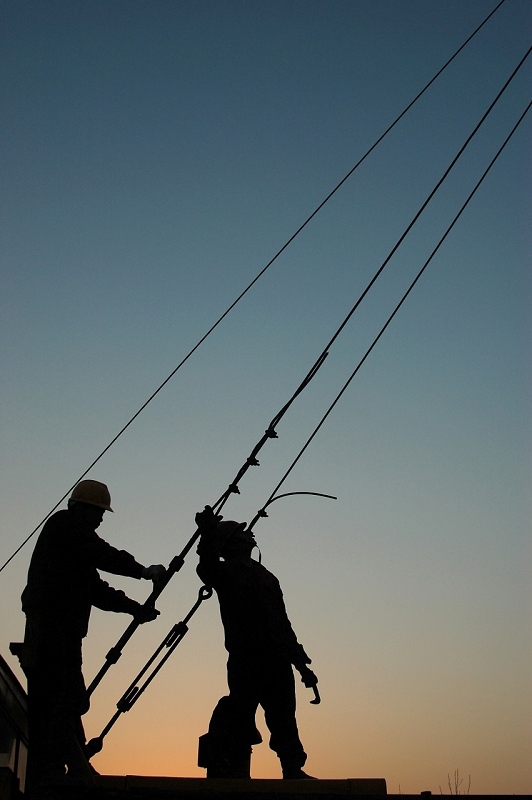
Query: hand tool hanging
[270, 433]
[177, 633]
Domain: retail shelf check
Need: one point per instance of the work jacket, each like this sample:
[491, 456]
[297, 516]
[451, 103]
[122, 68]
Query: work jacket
[252, 609]
[63, 575]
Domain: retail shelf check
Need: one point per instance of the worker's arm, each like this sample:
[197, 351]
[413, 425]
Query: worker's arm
[208, 546]
[119, 562]
[107, 598]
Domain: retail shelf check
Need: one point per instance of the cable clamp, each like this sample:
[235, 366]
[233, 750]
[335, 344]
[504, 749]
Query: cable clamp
[125, 702]
[271, 434]
[176, 564]
[113, 655]
[177, 632]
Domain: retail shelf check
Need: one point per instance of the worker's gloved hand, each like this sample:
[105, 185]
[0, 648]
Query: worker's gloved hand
[300, 657]
[308, 678]
[145, 614]
[155, 573]
[207, 520]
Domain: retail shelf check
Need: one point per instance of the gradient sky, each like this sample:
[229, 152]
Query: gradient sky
[156, 155]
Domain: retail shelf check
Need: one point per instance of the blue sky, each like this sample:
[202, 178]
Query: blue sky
[156, 156]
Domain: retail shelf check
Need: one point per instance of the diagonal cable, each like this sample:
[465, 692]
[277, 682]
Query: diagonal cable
[262, 513]
[176, 634]
[178, 561]
[254, 281]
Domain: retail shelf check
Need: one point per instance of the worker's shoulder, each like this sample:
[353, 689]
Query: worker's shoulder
[56, 522]
[58, 516]
[265, 574]
[64, 529]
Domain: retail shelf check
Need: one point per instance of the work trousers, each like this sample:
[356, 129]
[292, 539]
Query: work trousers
[57, 698]
[268, 682]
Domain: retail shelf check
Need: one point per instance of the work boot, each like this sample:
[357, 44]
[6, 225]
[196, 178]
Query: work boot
[223, 757]
[296, 773]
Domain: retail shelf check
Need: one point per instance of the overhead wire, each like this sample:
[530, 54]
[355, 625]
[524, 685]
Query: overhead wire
[177, 633]
[255, 280]
[427, 201]
[178, 561]
[273, 496]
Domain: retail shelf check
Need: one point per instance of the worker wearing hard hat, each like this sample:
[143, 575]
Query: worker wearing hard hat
[63, 585]
[262, 649]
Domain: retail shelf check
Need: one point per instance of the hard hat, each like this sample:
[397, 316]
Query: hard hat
[92, 492]
[229, 526]
[226, 531]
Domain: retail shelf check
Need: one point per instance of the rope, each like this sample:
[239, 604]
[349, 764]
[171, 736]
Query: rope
[255, 280]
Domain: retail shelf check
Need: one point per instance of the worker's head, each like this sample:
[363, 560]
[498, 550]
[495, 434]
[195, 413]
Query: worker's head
[92, 492]
[90, 500]
[235, 540]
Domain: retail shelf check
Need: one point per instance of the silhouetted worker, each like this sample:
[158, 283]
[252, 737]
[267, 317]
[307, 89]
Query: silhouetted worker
[262, 648]
[63, 584]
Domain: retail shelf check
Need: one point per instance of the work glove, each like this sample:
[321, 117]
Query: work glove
[207, 520]
[308, 678]
[300, 657]
[155, 573]
[145, 613]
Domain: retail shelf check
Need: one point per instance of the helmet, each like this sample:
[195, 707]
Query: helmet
[226, 531]
[229, 526]
[92, 492]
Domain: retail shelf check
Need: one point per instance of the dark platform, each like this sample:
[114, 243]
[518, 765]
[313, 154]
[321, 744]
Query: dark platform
[132, 787]
[223, 789]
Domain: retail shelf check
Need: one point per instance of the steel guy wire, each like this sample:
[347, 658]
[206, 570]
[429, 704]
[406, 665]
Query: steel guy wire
[178, 560]
[255, 280]
[273, 496]
[177, 633]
